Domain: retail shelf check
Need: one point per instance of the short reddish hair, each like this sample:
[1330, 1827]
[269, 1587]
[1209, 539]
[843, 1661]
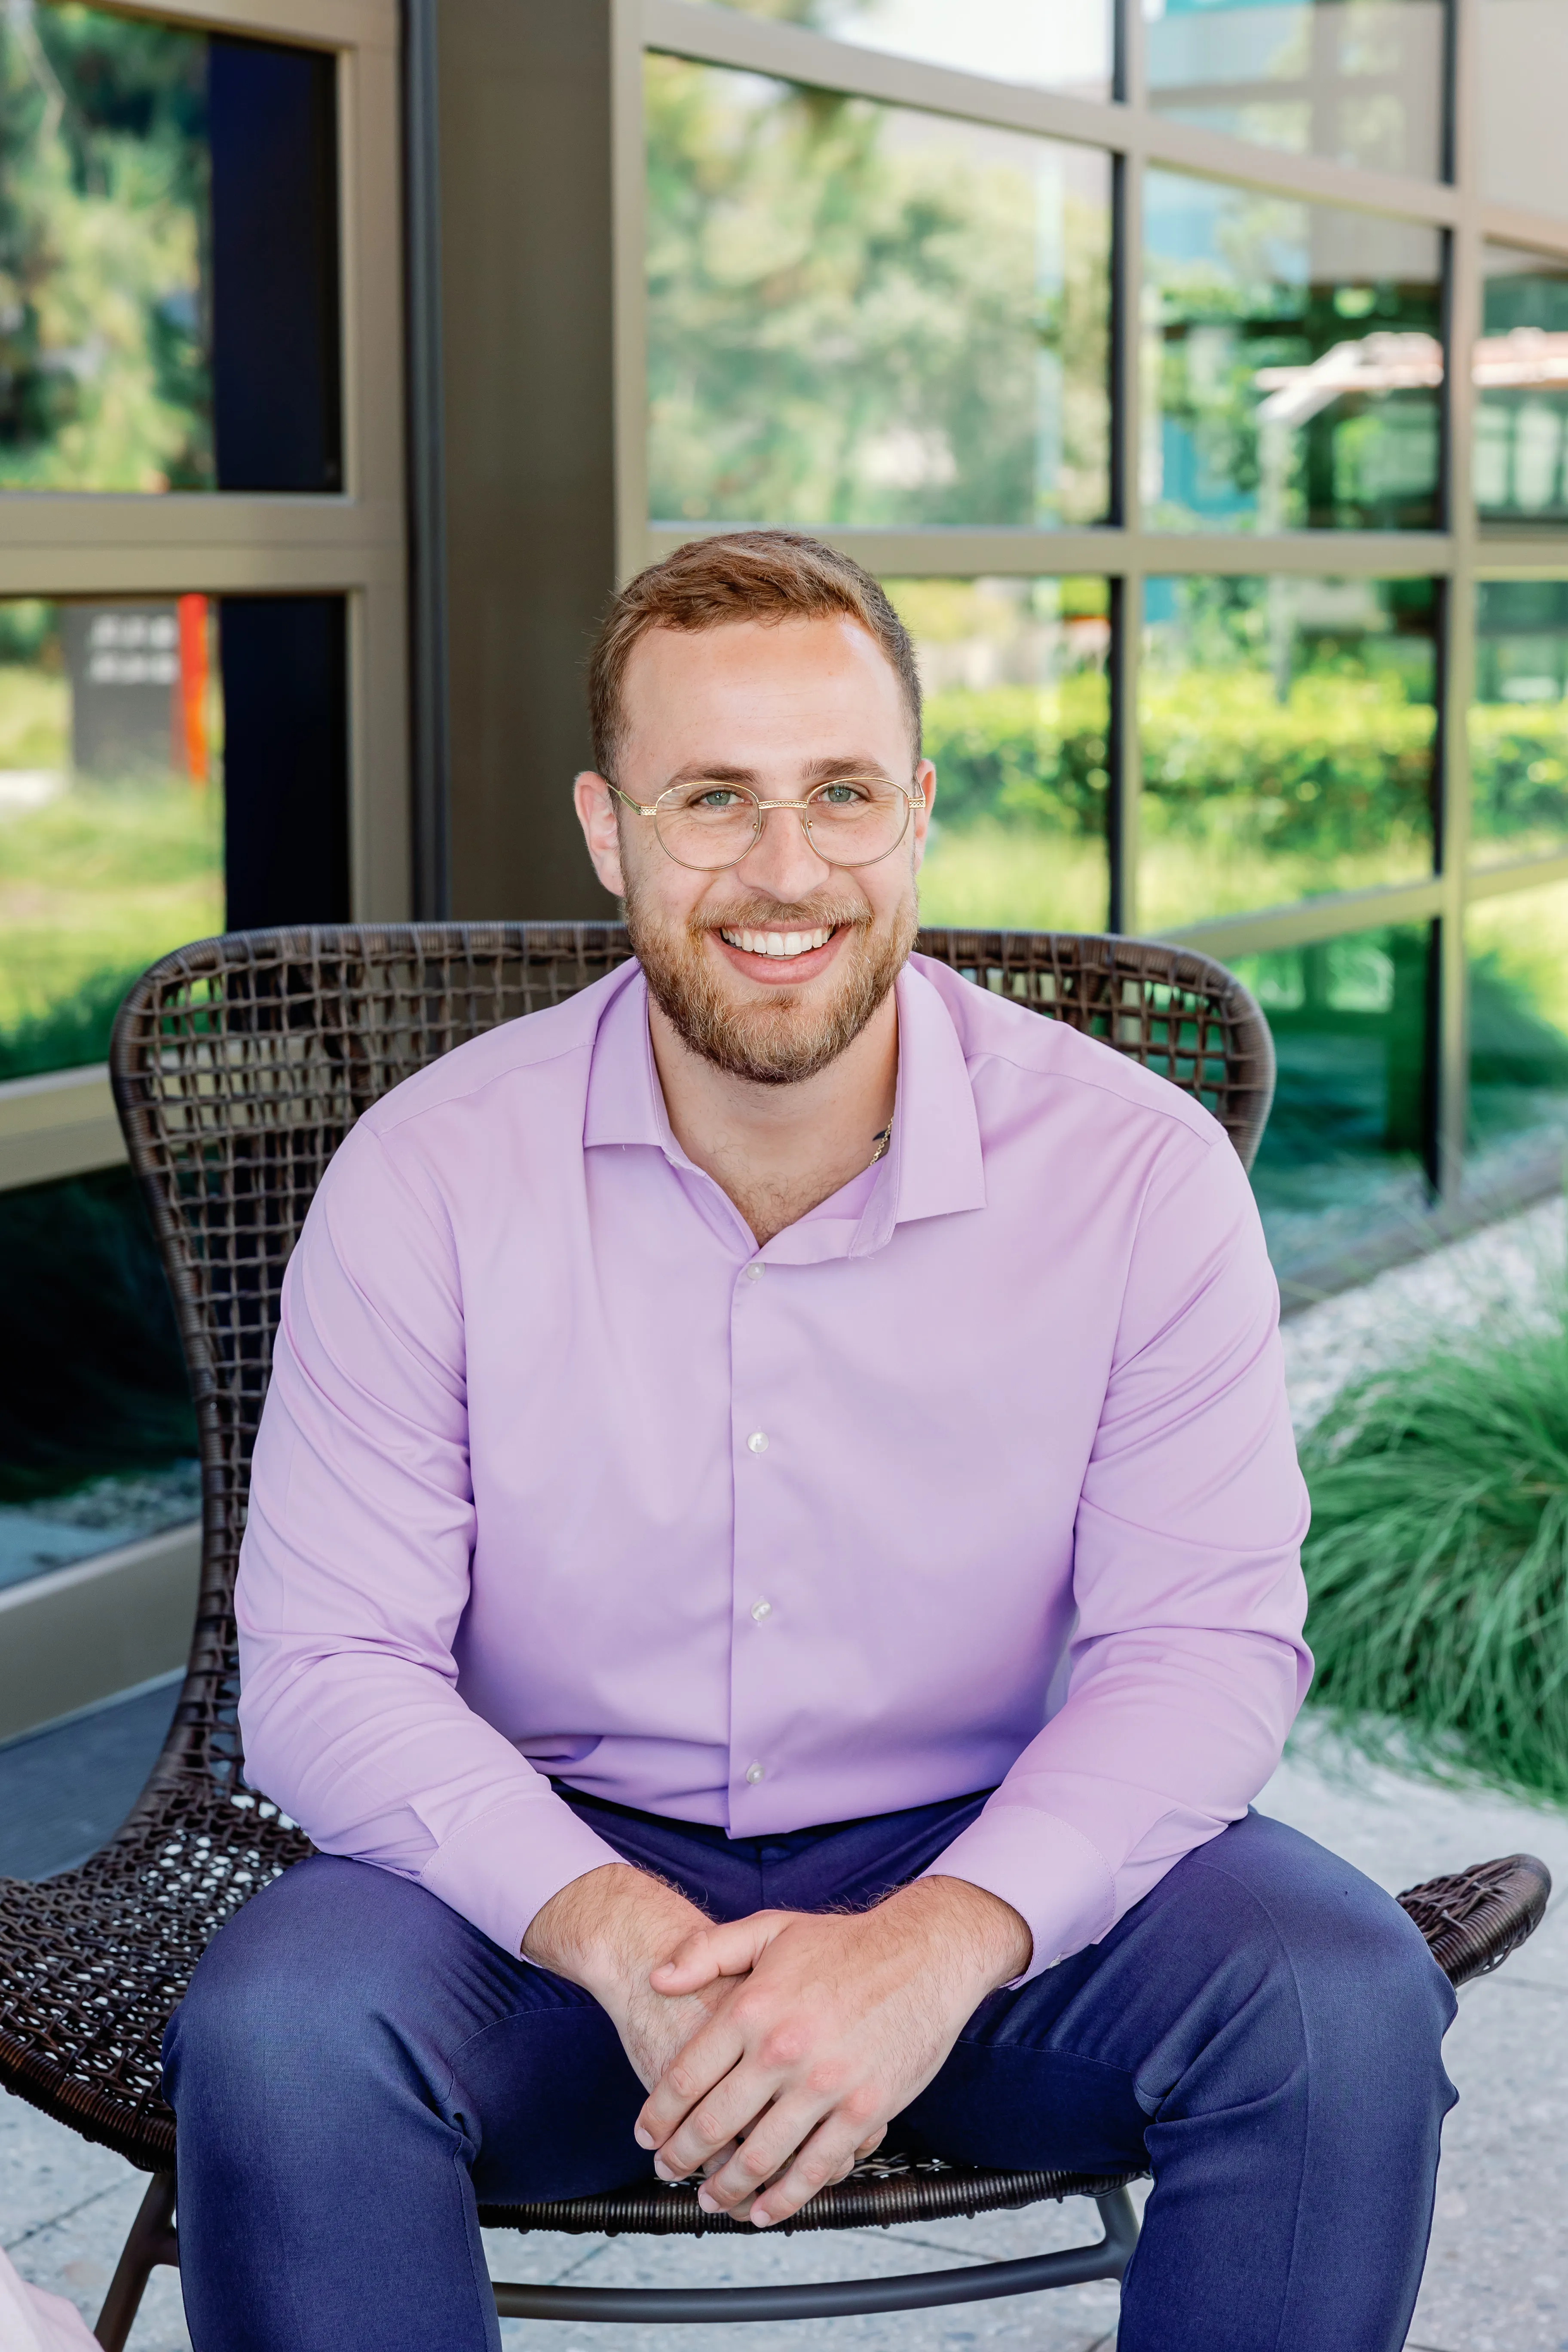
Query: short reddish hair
[745, 575]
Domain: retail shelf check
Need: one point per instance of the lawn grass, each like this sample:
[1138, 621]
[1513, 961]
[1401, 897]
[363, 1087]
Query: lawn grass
[1438, 1562]
[96, 885]
[990, 875]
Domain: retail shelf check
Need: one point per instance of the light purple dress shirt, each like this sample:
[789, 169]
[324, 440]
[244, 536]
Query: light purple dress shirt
[980, 1476]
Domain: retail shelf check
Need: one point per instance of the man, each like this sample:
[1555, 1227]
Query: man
[773, 1578]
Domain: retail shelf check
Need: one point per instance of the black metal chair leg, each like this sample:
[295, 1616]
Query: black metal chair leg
[838, 2298]
[151, 2241]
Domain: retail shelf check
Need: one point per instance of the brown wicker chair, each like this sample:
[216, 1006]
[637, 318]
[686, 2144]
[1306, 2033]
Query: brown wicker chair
[238, 1066]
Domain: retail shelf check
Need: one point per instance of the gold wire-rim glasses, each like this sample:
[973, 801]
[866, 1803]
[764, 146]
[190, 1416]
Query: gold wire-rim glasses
[912, 799]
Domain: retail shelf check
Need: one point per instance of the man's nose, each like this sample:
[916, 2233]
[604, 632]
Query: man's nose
[781, 860]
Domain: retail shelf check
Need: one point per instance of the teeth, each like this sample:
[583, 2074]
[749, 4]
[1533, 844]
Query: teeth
[783, 944]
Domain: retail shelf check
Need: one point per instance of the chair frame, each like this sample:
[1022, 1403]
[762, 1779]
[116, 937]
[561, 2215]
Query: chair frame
[237, 1065]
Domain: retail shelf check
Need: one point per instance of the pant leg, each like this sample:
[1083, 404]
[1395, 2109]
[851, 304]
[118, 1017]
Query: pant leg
[351, 2061]
[1266, 2026]
[355, 2067]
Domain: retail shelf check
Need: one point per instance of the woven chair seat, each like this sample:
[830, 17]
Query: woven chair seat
[886, 2188]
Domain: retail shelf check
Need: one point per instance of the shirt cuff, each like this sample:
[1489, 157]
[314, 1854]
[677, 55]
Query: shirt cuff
[1060, 1884]
[501, 1869]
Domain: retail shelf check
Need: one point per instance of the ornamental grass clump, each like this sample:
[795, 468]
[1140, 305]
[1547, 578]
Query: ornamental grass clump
[1438, 1563]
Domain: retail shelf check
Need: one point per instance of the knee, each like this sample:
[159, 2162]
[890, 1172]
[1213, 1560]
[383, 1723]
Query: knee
[1373, 2005]
[294, 1991]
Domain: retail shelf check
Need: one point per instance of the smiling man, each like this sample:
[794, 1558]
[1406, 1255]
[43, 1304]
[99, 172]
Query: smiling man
[773, 1580]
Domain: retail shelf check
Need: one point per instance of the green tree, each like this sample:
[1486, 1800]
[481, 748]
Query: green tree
[104, 226]
[851, 323]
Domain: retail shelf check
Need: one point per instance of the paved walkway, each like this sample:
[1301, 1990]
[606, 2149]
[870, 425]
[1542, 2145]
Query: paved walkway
[1497, 2280]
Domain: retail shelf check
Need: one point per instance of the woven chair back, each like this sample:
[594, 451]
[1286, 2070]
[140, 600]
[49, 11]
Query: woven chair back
[240, 1063]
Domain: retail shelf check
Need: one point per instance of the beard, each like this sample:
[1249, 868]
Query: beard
[780, 1040]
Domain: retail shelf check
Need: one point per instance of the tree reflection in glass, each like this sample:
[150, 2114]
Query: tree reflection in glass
[1293, 363]
[1018, 719]
[1519, 723]
[1287, 730]
[859, 314]
[104, 230]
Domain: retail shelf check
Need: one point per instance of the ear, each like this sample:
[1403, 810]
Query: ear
[925, 781]
[597, 815]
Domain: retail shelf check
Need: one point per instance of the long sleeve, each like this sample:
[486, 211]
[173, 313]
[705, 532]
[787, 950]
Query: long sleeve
[1186, 1667]
[355, 1572]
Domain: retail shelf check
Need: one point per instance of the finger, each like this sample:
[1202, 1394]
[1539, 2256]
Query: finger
[813, 2168]
[696, 2069]
[735, 2109]
[730, 1949]
[770, 2146]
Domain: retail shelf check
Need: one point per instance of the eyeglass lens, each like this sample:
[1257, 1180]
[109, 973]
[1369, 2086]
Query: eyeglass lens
[851, 821]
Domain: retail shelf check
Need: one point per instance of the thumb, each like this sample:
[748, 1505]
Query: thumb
[708, 1953]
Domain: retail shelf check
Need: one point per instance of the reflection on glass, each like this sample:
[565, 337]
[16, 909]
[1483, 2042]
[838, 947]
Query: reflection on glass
[1293, 363]
[1517, 953]
[1346, 1138]
[1016, 713]
[111, 813]
[104, 231]
[1521, 385]
[1054, 43]
[857, 314]
[1288, 729]
[1522, 51]
[1519, 722]
[1358, 80]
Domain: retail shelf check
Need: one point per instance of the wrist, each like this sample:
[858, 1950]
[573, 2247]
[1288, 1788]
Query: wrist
[983, 1941]
[606, 1930]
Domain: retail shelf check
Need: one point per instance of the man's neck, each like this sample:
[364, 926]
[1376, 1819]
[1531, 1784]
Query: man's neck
[777, 1150]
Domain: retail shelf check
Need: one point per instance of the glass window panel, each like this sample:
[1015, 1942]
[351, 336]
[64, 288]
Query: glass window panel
[1523, 54]
[1293, 361]
[1517, 952]
[1288, 729]
[859, 314]
[1358, 80]
[104, 230]
[98, 1439]
[1345, 1140]
[1521, 389]
[1519, 722]
[1064, 45]
[111, 813]
[1017, 710]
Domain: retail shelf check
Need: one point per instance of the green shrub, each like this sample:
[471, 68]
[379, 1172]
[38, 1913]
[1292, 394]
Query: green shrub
[1438, 1562]
[92, 1376]
[1341, 764]
[73, 1029]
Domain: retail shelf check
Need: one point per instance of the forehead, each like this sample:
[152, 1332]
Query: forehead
[750, 685]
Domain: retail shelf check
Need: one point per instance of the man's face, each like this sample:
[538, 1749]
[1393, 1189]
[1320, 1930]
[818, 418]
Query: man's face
[771, 967]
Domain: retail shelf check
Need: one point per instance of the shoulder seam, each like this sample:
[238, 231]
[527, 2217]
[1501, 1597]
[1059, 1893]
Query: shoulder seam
[1080, 1078]
[536, 1062]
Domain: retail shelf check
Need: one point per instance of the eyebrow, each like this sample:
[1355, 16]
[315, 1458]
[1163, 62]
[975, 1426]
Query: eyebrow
[819, 771]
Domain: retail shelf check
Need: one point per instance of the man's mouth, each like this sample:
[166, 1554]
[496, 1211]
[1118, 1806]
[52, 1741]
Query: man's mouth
[783, 945]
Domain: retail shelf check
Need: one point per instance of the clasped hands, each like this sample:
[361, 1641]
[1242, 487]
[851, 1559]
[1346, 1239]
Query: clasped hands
[776, 2049]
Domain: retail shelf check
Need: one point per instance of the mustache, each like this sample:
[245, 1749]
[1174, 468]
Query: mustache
[770, 915]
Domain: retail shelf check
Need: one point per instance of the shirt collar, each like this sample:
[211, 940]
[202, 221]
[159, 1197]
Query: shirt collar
[934, 1165]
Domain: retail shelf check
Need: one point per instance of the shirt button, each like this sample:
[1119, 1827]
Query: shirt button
[758, 1441]
[754, 1271]
[760, 1609]
[753, 1773]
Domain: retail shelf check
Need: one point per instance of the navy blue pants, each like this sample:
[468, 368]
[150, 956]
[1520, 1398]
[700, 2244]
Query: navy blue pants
[354, 2066]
